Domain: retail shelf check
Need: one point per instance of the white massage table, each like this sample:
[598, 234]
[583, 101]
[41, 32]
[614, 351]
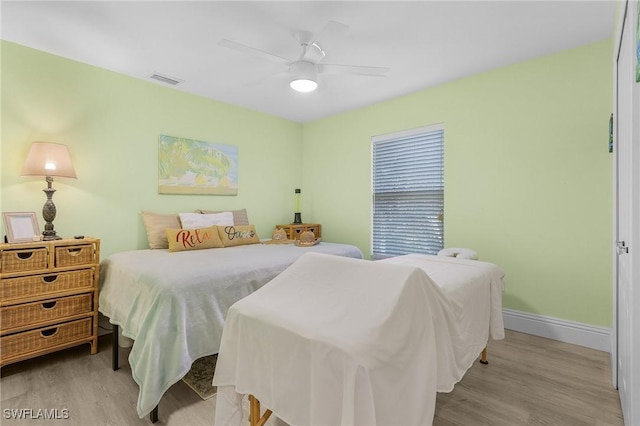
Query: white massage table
[338, 341]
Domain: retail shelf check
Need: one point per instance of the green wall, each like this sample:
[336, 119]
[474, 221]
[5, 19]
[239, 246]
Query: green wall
[527, 172]
[528, 179]
[111, 124]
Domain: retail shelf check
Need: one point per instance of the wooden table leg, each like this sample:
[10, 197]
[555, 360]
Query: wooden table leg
[483, 357]
[254, 412]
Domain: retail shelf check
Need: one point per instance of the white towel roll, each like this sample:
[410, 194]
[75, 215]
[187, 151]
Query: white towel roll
[462, 253]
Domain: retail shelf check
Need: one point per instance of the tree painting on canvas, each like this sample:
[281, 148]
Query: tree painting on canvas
[187, 166]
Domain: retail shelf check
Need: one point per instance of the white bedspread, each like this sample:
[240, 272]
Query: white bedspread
[173, 305]
[336, 341]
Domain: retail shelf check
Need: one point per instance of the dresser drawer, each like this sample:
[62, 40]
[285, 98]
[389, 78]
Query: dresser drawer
[81, 254]
[28, 314]
[43, 339]
[45, 285]
[21, 260]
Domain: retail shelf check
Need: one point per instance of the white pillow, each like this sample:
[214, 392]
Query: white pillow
[197, 220]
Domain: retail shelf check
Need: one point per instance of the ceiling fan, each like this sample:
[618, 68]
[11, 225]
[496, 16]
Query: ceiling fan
[305, 69]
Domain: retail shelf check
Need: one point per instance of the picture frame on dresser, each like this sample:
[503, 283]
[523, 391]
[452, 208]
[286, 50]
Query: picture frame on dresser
[21, 227]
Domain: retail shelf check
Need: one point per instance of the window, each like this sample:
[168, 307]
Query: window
[408, 192]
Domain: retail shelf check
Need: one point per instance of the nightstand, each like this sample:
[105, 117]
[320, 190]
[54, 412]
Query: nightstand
[48, 297]
[294, 230]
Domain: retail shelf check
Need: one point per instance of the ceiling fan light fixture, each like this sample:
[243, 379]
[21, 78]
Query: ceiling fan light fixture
[304, 86]
[304, 77]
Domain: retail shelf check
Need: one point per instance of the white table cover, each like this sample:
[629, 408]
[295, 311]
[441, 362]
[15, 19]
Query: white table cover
[173, 305]
[337, 341]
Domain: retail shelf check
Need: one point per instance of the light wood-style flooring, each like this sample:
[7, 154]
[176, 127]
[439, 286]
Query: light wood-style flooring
[529, 381]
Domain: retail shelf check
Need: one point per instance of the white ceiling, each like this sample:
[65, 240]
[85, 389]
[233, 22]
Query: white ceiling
[424, 43]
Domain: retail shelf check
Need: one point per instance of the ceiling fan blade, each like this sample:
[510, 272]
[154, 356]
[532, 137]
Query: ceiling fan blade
[252, 50]
[317, 47]
[353, 69]
[331, 32]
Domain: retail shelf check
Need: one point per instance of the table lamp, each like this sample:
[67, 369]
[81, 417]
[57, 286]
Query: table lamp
[297, 217]
[49, 160]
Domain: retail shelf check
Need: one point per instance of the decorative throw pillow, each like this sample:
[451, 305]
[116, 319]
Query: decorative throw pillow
[239, 216]
[155, 224]
[193, 239]
[195, 220]
[238, 235]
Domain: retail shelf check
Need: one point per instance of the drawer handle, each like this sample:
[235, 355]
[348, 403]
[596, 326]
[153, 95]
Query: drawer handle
[24, 255]
[74, 251]
[49, 278]
[49, 305]
[50, 332]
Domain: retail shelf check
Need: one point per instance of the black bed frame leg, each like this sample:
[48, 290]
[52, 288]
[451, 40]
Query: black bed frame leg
[153, 415]
[114, 355]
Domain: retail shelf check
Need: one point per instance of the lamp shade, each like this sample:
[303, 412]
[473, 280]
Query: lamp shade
[48, 159]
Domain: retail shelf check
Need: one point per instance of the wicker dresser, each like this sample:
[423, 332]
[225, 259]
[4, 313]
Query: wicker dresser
[294, 230]
[48, 297]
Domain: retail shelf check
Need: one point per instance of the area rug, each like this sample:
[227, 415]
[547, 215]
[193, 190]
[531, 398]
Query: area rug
[200, 376]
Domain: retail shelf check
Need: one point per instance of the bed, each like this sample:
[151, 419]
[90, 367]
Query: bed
[344, 341]
[173, 304]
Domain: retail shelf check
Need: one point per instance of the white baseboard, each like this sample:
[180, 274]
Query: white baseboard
[577, 333]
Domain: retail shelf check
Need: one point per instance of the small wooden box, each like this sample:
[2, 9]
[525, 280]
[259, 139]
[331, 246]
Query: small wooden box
[294, 230]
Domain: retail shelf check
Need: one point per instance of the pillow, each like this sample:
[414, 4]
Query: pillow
[239, 216]
[155, 224]
[238, 235]
[193, 239]
[195, 220]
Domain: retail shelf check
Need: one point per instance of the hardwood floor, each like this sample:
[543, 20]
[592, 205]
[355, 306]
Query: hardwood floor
[529, 381]
[534, 381]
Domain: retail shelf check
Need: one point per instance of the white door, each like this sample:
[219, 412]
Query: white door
[627, 179]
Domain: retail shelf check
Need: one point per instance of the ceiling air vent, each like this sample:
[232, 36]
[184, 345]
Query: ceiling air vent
[165, 79]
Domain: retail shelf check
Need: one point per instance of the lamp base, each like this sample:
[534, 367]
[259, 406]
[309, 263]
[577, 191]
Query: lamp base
[50, 236]
[297, 218]
[49, 213]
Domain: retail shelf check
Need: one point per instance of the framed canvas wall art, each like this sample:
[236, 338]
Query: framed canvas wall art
[188, 166]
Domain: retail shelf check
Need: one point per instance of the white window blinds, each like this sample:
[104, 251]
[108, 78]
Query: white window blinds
[408, 192]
